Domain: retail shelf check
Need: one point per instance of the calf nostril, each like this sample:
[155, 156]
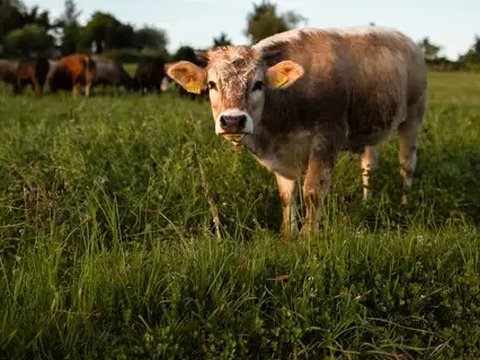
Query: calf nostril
[223, 122]
[242, 119]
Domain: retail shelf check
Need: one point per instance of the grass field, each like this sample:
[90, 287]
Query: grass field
[108, 250]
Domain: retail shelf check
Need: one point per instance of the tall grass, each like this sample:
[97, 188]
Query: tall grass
[108, 247]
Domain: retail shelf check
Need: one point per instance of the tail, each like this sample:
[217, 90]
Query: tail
[90, 71]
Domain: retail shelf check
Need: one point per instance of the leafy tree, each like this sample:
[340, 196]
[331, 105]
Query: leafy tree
[70, 40]
[11, 17]
[106, 33]
[430, 50]
[264, 21]
[184, 53]
[187, 53]
[70, 14]
[472, 56]
[71, 29]
[30, 39]
[149, 37]
[222, 40]
[40, 18]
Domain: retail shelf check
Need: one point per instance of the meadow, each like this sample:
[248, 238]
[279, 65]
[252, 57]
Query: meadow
[109, 250]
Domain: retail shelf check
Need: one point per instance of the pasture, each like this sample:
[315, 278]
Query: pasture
[108, 246]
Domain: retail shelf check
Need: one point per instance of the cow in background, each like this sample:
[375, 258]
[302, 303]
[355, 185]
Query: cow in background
[33, 72]
[72, 71]
[149, 74]
[8, 74]
[110, 72]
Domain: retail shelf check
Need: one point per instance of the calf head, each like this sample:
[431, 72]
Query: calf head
[236, 78]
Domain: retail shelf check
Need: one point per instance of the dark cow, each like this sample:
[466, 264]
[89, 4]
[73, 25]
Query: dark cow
[72, 71]
[110, 72]
[8, 73]
[33, 72]
[297, 99]
[149, 74]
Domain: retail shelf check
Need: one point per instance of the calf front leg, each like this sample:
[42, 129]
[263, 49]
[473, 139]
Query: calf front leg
[286, 191]
[315, 188]
[369, 161]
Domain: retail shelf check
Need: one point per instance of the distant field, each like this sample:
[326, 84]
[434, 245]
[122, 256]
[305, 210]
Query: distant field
[107, 247]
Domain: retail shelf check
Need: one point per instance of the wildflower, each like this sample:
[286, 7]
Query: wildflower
[98, 315]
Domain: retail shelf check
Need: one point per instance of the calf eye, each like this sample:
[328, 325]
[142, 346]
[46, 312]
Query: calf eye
[257, 86]
[212, 85]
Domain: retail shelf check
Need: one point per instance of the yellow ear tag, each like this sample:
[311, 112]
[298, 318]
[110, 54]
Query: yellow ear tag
[283, 80]
[193, 87]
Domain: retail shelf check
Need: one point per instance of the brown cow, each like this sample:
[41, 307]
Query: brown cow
[8, 73]
[71, 71]
[33, 72]
[299, 98]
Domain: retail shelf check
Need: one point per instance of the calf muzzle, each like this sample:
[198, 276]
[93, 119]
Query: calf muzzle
[233, 124]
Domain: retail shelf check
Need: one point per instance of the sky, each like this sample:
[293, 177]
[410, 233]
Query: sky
[449, 23]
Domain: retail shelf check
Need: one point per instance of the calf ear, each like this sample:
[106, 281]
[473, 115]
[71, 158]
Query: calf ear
[283, 74]
[191, 77]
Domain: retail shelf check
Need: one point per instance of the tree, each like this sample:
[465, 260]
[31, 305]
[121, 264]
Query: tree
[70, 39]
[430, 50]
[264, 21]
[11, 18]
[70, 14]
[71, 29]
[30, 39]
[472, 56]
[185, 53]
[105, 32]
[40, 18]
[149, 37]
[222, 40]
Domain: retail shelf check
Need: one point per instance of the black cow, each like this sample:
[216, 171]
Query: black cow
[149, 74]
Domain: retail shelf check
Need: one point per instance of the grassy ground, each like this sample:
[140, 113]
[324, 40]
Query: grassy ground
[107, 247]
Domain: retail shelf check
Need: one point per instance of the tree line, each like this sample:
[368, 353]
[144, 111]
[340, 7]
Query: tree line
[31, 31]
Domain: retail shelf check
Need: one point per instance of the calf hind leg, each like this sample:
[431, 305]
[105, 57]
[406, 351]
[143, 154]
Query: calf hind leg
[315, 189]
[408, 138]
